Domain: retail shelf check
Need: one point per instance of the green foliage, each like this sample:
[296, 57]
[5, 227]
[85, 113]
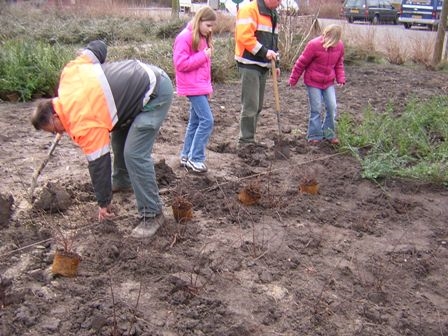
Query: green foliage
[30, 68]
[73, 27]
[170, 29]
[223, 65]
[413, 144]
[159, 52]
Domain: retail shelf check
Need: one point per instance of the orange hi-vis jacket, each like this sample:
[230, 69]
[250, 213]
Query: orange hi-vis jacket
[256, 32]
[95, 98]
[88, 123]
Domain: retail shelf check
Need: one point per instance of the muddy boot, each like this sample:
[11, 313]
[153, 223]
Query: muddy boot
[148, 226]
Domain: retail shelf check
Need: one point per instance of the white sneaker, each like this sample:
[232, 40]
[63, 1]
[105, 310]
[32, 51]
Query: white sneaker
[183, 161]
[197, 167]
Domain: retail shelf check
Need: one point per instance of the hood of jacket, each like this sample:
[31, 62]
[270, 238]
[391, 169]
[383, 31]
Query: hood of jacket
[99, 49]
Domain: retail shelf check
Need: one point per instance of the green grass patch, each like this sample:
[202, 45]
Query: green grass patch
[411, 145]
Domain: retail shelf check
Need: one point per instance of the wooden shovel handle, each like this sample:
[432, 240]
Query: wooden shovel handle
[274, 79]
[38, 171]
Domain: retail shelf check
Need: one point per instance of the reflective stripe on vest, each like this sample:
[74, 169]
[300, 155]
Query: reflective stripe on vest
[85, 106]
[152, 82]
[245, 21]
[246, 61]
[267, 29]
[98, 153]
[254, 30]
[90, 55]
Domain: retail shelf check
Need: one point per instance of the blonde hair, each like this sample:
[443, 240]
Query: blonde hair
[206, 13]
[332, 35]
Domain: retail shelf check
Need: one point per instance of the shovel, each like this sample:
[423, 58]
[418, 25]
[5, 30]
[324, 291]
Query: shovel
[42, 166]
[281, 148]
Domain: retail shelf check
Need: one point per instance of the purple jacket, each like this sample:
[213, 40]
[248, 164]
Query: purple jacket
[193, 68]
[322, 67]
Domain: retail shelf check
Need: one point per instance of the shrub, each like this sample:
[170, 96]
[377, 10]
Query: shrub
[149, 36]
[31, 69]
[223, 65]
[170, 29]
[325, 8]
[295, 33]
[412, 145]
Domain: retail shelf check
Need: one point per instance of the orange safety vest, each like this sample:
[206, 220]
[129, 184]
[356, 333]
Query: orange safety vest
[253, 31]
[85, 105]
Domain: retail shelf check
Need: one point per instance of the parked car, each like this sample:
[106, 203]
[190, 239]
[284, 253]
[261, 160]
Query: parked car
[373, 11]
[420, 13]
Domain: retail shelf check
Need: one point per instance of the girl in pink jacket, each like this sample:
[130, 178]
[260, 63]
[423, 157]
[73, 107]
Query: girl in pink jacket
[323, 64]
[192, 54]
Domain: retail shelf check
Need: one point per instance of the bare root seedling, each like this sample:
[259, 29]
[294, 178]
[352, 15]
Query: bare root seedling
[115, 330]
[64, 237]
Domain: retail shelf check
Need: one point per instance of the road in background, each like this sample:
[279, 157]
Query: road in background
[384, 37]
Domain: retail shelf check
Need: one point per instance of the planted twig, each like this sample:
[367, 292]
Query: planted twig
[114, 314]
[138, 297]
[66, 259]
[115, 331]
[65, 240]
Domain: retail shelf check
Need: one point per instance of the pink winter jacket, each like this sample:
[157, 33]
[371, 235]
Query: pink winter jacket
[193, 68]
[322, 67]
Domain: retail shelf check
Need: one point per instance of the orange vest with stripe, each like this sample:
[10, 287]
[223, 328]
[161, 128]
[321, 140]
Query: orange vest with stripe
[85, 106]
[255, 33]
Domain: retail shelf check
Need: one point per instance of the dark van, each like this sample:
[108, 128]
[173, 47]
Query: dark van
[373, 11]
[420, 13]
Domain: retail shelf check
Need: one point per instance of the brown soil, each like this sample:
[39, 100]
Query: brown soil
[358, 258]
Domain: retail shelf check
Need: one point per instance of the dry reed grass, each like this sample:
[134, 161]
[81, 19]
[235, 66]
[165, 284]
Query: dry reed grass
[295, 32]
[395, 52]
[378, 42]
[422, 50]
[224, 24]
[100, 8]
[329, 9]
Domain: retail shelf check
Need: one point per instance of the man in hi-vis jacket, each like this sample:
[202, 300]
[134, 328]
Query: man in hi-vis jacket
[128, 99]
[256, 40]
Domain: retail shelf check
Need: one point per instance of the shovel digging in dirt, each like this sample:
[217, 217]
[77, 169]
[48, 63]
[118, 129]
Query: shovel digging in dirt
[281, 148]
[38, 171]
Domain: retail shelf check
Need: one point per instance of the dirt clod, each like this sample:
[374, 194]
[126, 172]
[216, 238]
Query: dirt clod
[52, 198]
[6, 204]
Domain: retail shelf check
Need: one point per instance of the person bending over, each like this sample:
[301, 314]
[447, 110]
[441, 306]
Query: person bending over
[128, 99]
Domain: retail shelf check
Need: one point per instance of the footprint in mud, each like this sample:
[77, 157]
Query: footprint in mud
[254, 155]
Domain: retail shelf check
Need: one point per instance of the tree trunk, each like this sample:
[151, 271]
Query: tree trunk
[438, 49]
[175, 9]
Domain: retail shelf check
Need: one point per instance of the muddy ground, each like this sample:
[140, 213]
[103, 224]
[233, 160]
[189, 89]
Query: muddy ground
[358, 258]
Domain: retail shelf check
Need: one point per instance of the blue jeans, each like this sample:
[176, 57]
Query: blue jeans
[319, 129]
[132, 148]
[199, 129]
